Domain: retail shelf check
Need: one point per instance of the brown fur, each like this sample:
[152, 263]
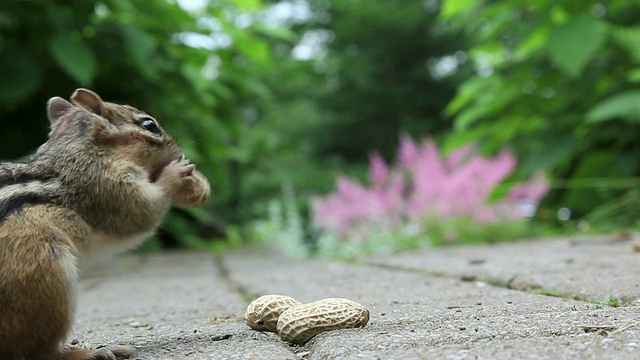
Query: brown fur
[101, 183]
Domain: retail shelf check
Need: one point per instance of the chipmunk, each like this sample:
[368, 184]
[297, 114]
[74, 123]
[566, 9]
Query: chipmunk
[100, 184]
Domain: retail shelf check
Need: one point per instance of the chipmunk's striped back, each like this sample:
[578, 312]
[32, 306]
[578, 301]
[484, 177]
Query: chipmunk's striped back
[22, 184]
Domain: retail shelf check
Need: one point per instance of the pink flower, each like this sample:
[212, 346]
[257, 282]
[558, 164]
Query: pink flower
[378, 170]
[425, 185]
[408, 154]
[458, 156]
[534, 189]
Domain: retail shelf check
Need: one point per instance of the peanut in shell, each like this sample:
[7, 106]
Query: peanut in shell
[300, 323]
[262, 314]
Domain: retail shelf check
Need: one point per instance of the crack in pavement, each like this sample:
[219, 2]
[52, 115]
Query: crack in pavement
[225, 275]
[530, 288]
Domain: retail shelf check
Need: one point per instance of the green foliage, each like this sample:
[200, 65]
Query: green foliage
[613, 302]
[625, 106]
[284, 226]
[441, 233]
[572, 45]
[74, 57]
[366, 78]
[193, 70]
[555, 81]
[382, 75]
[289, 228]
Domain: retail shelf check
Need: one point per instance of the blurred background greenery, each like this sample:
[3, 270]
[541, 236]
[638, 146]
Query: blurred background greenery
[264, 94]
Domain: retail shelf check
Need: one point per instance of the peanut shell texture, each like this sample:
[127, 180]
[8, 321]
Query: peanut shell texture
[300, 323]
[262, 314]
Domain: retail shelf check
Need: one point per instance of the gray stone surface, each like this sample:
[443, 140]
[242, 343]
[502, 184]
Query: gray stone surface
[433, 304]
[596, 268]
[170, 306]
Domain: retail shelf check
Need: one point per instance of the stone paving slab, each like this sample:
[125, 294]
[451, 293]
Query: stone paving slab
[423, 316]
[190, 305]
[169, 306]
[597, 268]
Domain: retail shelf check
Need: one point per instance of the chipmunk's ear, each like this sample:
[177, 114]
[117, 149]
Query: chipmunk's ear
[88, 100]
[56, 107]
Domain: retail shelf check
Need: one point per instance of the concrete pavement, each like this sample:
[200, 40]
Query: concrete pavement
[482, 302]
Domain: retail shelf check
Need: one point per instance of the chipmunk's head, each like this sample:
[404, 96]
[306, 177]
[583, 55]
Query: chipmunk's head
[111, 130]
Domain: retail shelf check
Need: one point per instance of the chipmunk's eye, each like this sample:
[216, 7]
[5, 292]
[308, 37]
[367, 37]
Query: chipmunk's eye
[150, 125]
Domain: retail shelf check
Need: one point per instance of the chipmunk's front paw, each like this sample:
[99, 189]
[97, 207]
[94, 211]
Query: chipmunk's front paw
[175, 175]
[195, 191]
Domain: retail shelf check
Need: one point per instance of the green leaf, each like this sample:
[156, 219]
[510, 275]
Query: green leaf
[547, 157]
[572, 45]
[74, 57]
[222, 91]
[469, 91]
[255, 50]
[491, 105]
[629, 39]
[634, 75]
[625, 105]
[275, 32]
[532, 43]
[452, 8]
[490, 53]
[193, 73]
[456, 140]
[248, 5]
[139, 44]
[252, 48]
